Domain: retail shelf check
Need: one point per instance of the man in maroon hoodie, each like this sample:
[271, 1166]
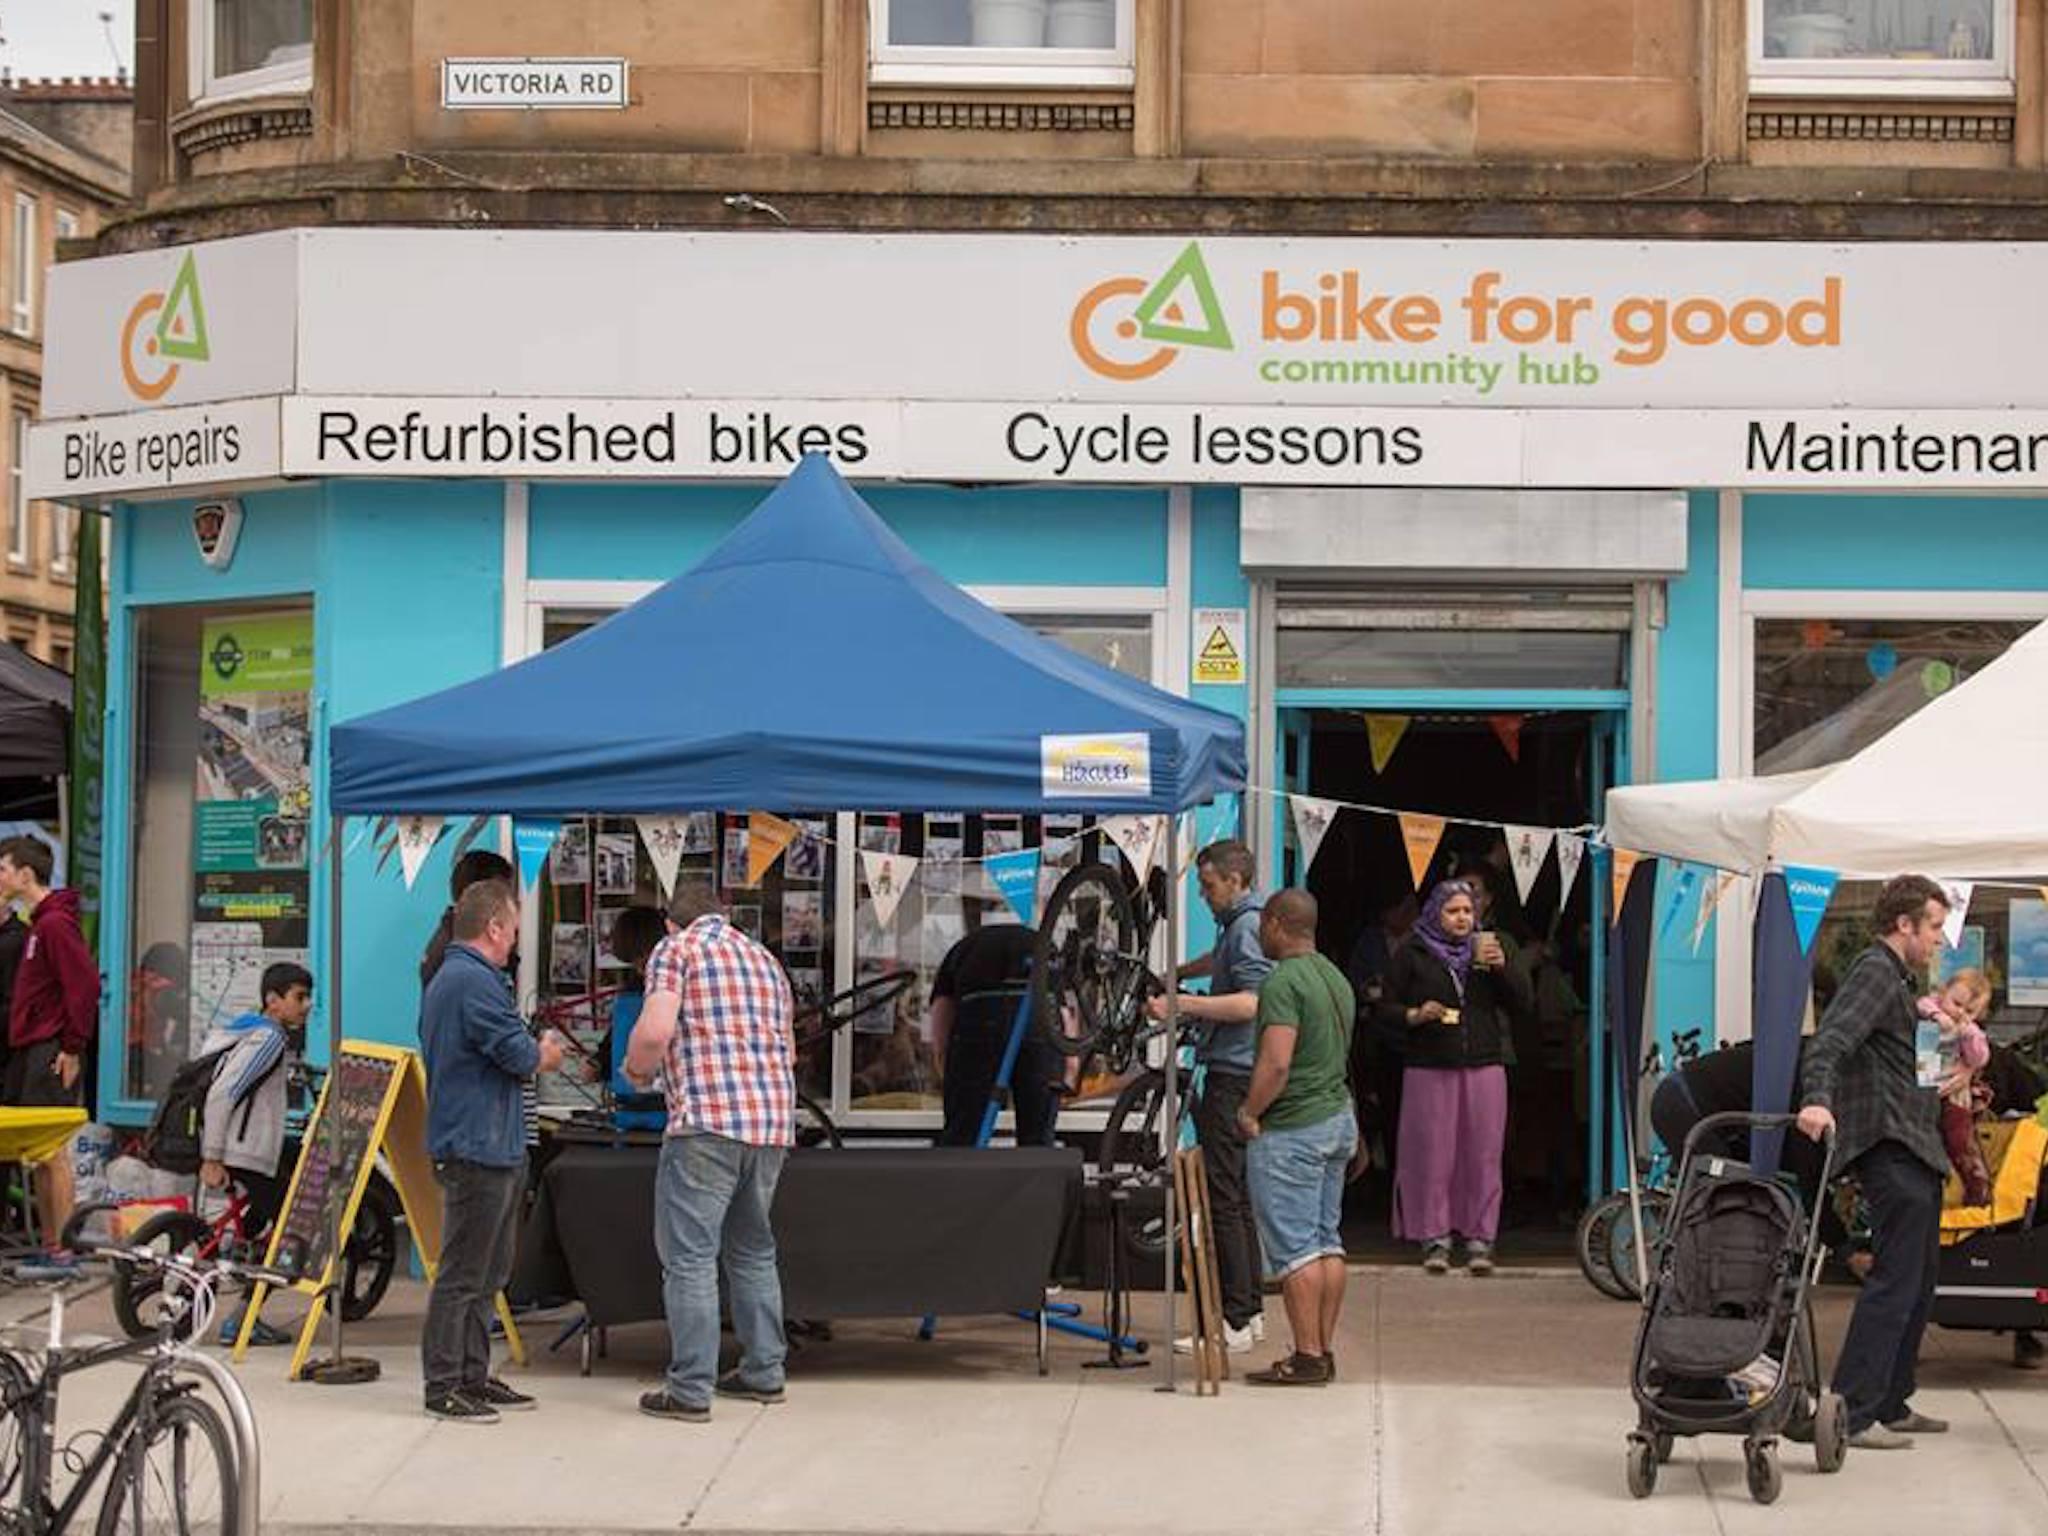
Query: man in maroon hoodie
[55, 1009]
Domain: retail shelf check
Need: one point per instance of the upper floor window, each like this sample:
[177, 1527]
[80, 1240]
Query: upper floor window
[67, 224]
[242, 47]
[28, 259]
[1002, 42]
[1881, 47]
[20, 545]
[63, 538]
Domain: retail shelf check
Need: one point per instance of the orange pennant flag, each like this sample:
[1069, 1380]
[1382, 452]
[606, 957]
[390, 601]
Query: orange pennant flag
[1509, 729]
[1625, 861]
[768, 838]
[1384, 733]
[2044, 893]
[1421, 834]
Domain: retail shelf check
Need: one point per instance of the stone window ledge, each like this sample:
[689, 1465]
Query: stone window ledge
[217, 125]
[1838, 119]
[1000, 109]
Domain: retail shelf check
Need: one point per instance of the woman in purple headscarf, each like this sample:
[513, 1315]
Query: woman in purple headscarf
[1454, 993]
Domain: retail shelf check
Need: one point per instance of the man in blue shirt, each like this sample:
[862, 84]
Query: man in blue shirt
[1226, 1022]
[479, 1056]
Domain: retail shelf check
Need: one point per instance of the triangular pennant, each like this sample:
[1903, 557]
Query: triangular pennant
[1571, 853]
[1384, 733]
[1138, 837]
[1216, 820]
[768, 838]
[1809, 889]
[1188, 843]
[1509, 729]
[2044, 892]
[1312, 818]
[416, 838]
[361, 830]
[888, 876]
[1528, 847]
[1958, 909]
[1710, 899]
[663, 837]
[1685, 885]
[532, 841]
[1420, 834]
[1016, 876]
[1625, 861]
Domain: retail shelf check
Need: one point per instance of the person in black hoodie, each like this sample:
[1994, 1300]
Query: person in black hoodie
[1455, 993]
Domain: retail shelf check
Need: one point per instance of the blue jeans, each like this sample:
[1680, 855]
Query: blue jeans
[1297, 1180]
[712, 1201]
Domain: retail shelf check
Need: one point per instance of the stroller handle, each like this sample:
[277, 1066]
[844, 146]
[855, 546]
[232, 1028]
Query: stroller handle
[1734, 1119]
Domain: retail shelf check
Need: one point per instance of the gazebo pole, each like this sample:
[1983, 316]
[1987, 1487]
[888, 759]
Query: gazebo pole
[1170, 1120]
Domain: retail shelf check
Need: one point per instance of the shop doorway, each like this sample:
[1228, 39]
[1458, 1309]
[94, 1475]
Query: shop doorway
[1541, 768]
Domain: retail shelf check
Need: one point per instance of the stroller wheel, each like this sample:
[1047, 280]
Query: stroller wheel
[1830, 1433]
[1642, 1467]
[1663, 1442]
[1760, 1466]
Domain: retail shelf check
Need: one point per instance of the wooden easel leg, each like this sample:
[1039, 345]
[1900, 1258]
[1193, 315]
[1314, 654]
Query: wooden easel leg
[1205, 1258]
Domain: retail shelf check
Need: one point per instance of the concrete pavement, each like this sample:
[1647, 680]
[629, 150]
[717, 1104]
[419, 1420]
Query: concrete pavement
[1462, 1406]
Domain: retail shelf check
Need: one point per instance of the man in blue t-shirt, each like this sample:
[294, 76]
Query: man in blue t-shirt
[1226, 1030]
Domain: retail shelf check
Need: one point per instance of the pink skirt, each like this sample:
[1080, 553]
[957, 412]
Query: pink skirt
[1454, 1123]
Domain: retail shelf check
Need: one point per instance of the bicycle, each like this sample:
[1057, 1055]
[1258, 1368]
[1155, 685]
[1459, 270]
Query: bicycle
[1606, 1237]
[1091, 966]
[814, 1125]
[172, 1465]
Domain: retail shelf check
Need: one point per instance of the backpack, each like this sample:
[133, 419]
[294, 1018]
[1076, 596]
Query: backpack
[176, 1136]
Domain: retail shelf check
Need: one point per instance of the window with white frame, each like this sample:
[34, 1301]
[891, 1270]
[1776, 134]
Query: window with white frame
[20, 544]
[63, 536]
[67, 224]
[1001, 42]
[1881, 47]
[244, 47]
[28, 259]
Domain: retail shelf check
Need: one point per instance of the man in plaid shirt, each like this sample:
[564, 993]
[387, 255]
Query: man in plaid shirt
[716, 1031]
[1860, 1076]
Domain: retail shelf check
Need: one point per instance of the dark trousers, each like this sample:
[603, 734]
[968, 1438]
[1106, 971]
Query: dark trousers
[1875, 1372]
[974, 1055]
[479, 1209]
[1230, 1196]
[265, 1195]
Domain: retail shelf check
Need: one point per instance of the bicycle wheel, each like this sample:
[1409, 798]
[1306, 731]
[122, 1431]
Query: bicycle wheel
[1596, 1260]
[138, 1292]
[176, 1477]
[1088, 970]
[371, 1257]
[1131, 1136]
[15, 1431]
[814, 1128]
[1621, 1239]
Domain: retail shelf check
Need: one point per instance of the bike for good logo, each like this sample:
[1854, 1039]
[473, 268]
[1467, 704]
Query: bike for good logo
[152, 354]
[1179, 309]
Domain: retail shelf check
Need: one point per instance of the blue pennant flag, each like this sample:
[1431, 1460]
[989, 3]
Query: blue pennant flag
[1016, 876]
[1808, 889]
[1216, 820]
[1685, 886]
[533, 839]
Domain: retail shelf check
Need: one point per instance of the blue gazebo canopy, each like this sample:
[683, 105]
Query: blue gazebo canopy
[810, 661]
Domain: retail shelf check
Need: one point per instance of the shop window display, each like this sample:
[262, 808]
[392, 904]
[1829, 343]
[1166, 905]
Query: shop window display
[1923, 41]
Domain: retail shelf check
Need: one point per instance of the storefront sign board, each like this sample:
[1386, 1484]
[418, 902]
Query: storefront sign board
[155, 452]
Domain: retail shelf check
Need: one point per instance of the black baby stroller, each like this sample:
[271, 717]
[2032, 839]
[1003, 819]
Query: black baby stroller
[1726, 1345]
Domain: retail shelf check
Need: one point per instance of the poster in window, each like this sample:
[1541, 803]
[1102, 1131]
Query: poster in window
[1004, 834]
[807, 985]
[700, 833]
[1060, 836]
[615, 864]
[607, 920]
[734, 874]
[803, 920]
[569, 955]
[945, 845]
[804, 864]
[2027, 974]
[569, 859]
[747, 920]
[882, 834]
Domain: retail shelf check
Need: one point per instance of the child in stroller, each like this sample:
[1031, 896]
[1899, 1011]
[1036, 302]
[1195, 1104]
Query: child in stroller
[1726, 1344]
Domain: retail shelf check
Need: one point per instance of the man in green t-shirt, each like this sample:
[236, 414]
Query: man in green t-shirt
[1298, 1118]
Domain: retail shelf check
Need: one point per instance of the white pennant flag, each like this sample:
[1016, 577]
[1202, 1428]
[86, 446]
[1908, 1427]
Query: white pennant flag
[888, 876]
[1187, 842]
[1138, 837]
[664, 837]
[1312, 819]
[1571, 853]
[416, 838]
[1710, 899]
[1958, 909]
[1528, 847]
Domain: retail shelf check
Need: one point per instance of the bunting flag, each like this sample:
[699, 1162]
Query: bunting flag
[663, 837]
[532, 841]
[768, 838]
[1710, 898]
[416, 838]
[1138, 837]
[1016, 876]
[1216, 820]
[1421, 834]
[1528, 847]
[1809, 890]
[361, 831]
[1958, 909]
[1571, 853]
[1384, 733]
[888, 876]
[2044, 892]
[1312, 818]
[1685, 885]
[1189, 844]
[1509, 729]
[1625, 861]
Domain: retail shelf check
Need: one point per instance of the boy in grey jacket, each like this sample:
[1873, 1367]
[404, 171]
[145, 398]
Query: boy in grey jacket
[243, 1137]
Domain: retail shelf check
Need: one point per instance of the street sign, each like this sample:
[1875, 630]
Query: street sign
[470, 85]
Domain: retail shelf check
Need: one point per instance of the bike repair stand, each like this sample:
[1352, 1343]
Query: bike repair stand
[1063, 1316]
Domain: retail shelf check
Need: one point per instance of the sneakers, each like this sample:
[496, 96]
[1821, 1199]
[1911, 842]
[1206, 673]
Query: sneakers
[1236, 1341]
[1293, 1371]
[731, 1385]
[659, 1405]
[1479, 1259]
[2027, 1350]
[454, 1408]
[1436, 1258]
[52, 1264]
[495, 1394]
[1917, 1424]
[1877, 1438]
[1258, 1327]
[262, 1334]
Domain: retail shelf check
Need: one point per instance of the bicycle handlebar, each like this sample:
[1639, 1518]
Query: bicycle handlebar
[76, 1240]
